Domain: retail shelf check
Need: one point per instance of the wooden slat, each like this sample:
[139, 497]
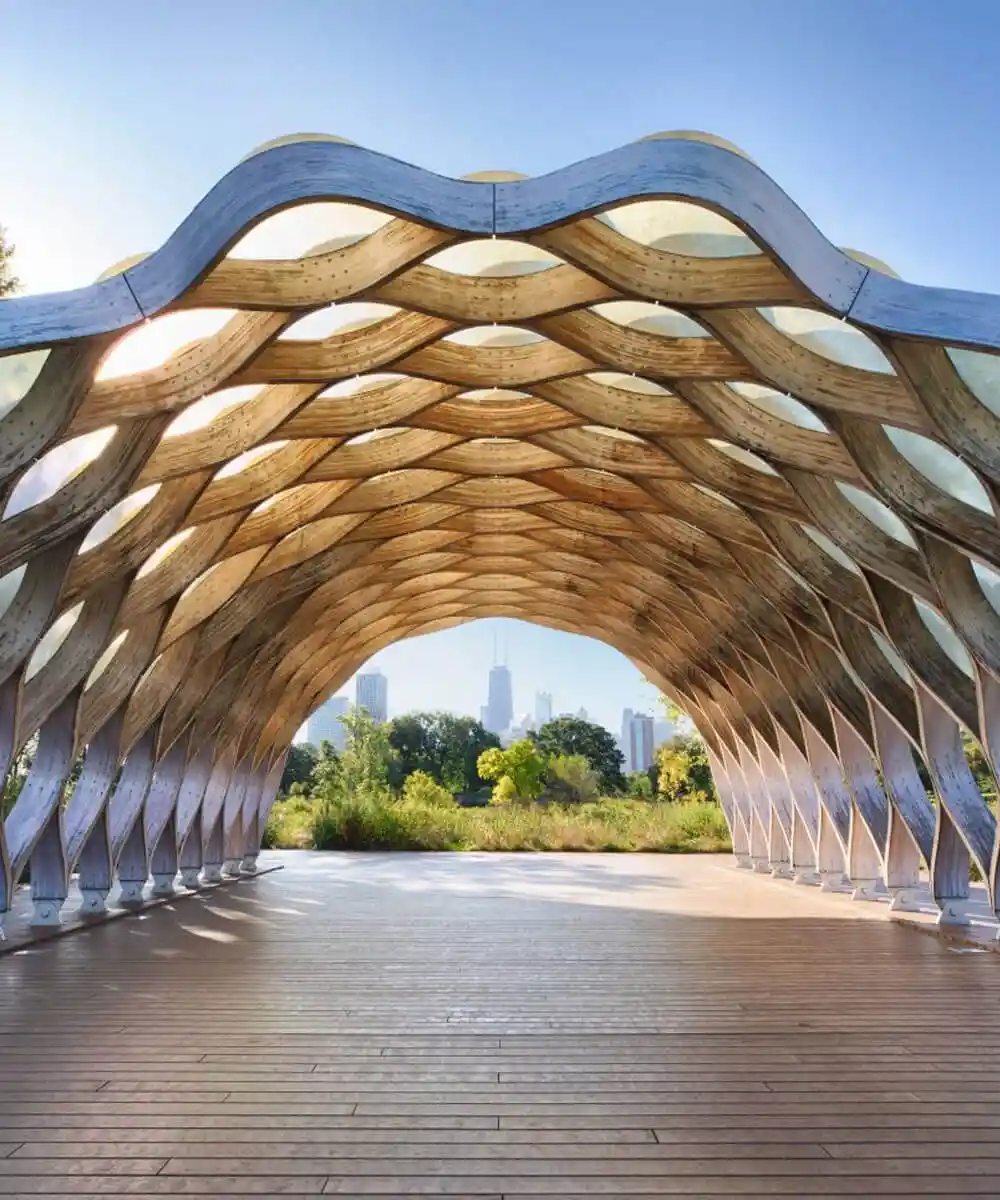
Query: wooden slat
[500, 1026]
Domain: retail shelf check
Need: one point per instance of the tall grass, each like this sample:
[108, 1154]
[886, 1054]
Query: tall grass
[382, 823]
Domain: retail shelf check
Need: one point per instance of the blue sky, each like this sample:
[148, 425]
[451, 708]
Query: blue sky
[878, 117]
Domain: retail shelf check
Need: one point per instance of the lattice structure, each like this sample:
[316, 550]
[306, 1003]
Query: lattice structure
[641, 399]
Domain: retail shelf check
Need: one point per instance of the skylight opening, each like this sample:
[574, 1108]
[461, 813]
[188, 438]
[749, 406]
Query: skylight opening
[107, 655]
[17, 374]
[337, 319]
[942, 468]
[203, 412]
[308, 229]
[777, 404]
[163, 552]
[945, 636]
[981, 375]
[248, 458]
[153, 342]
[830, 337]
[628, 383]
[493, 257]
[118, 517]
[679, 228]
[878, 513]
[650, 318]
[54, 637]
[53, 471]
[738, 454]
[494, 335]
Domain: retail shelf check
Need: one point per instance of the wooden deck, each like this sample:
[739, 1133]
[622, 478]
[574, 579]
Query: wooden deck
[501, 1026]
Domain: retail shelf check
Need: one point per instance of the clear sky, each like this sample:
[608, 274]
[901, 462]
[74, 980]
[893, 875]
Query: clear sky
[878, 116]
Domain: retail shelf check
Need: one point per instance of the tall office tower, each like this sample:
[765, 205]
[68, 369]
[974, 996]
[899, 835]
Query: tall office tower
[641, 741]
[324, 724]
[543, 708]
[500, 700]
[625, 740]
[372, 694]
[582, 714]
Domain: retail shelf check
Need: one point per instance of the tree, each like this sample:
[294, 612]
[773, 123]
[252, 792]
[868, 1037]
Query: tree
[684, 768]
[9, 283]
[519, 771]
[640, 786]
[571, 735]
[570, 779]
[367, 764]
[444, 746]
[299, 766]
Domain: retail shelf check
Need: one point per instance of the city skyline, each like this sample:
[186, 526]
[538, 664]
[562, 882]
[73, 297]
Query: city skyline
[591, 677]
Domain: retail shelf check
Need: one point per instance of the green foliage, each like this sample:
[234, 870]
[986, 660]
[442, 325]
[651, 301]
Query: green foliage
[444, 746]
[367, 764]
[571, 735]
[290, 823]
[420, 788]
[640, 786]
[299, 765]
[382, 823]
[521, 764]
[326, 773]
[570, 779]
[9, 282]
[684, 769]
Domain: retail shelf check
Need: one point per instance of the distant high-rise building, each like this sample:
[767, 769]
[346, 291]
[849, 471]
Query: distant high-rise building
[484, 715]
[625, 740]
[324, 725]
[640, 742]
[500, 700]
[581, 714]
[543, 708]
[372, 694]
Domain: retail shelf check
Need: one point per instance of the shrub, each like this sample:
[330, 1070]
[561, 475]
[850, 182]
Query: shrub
[570, 779]
[421, 788]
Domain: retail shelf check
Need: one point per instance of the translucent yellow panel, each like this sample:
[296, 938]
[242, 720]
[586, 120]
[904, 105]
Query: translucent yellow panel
[209, 408]
[494, 335]
[981, 373]
[153, 342]
[650, 318]
[944, 469]
[477, 395]
[337, 318]
[115, 518]
[17, 373]
[54, 470]
[247, 458]
[777, 404]
[309, 228]
[743, 456]
[680, 228]
[876, 512]
[53, 639]
[104, 661]
[829, 336]
[945, 636]
[493, 257]
[830, 547]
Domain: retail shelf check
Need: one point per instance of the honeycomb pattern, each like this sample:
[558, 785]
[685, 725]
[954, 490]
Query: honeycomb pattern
[641, 399]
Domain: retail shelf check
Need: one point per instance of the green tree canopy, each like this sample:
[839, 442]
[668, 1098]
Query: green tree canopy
[299, 765]
[442, 745]
[368, 765]
[570, 779]
[9, 283]
[519, 771]
[571, 735]
[684, 768]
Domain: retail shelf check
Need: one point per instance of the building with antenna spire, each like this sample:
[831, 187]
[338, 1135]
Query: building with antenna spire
[499, 712]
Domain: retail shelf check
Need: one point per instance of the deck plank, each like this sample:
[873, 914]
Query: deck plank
[504, 1026]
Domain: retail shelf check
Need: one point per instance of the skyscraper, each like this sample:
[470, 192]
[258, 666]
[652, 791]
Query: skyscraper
[324, 724]
[625, 740]
[543, 708]
[372, 694]
[500, 700]
[641, 742]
